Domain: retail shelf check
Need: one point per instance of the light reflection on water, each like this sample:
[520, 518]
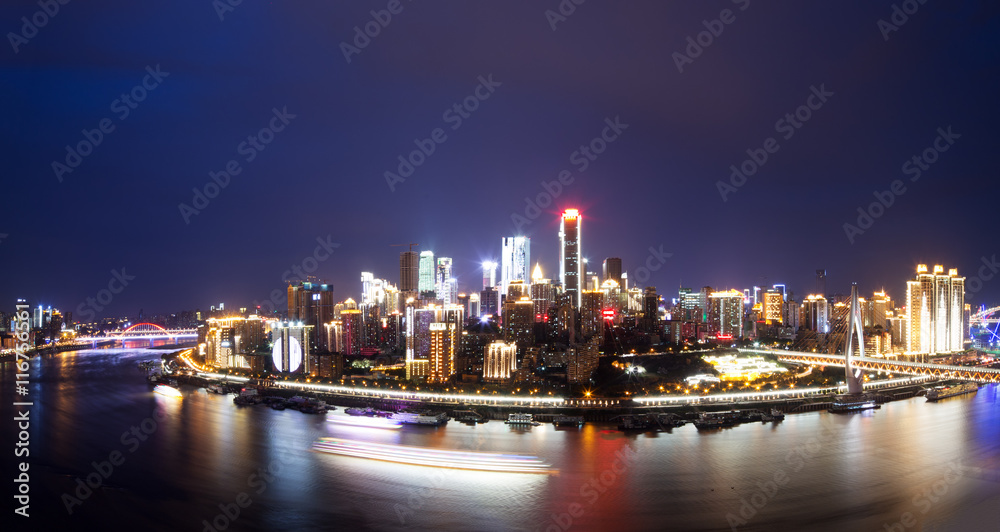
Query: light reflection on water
[838, 472]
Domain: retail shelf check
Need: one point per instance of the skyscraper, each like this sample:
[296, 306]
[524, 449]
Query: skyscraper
[542, 294]
[772, 306]
[489, 274]
[727, 313]
[311, 302]
[445, 284]
[821, 282]
[613, 269]
[426, 273]
[409, 272]
[815, 314]
[515, 260]
[935, 311]
[442, 351]
[570, 263]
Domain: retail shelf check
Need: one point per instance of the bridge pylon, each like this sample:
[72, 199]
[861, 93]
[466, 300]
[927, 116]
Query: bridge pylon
[854, 376]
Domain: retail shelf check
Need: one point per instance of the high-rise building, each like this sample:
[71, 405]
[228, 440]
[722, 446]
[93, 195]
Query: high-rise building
[489, 274]
[353, 332]
[445, 284]
[613, 269]
[409, 272]
[935, 311]
[570, 260]
[821, 282]
[592, 315]
[518, 321]
[228, 342]
[581, 361]
[311, 302]
[772, 307]
[489, 302]
[500, 361]
[290, 350]
[515, 261]
[876, 310]
[815, 314]
[442, 351]
[427, 271]
[543, 294]
[726, 313]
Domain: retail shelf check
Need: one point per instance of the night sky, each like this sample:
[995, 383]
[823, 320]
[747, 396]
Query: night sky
[656, 185]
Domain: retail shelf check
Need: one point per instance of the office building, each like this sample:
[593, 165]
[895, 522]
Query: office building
[353, 331]
[515, 261]
[489, 274]
[570, 259]
[592, 315]
[427, 270]
[489, 302]
[518, 321]
[445, 284]
[543, 294]
[613, 269]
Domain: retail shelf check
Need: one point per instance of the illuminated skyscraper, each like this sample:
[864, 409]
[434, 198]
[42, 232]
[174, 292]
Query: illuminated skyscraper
[726, 313]
[426, 273]
[543, 294]
[515, 260]
[311, 303]
[353, 331]
[613, 269]
[773, 302]
[489, 274]
[570, 263]
[518, 321]
[935, 311]
[815, 315]
[489, 302]
[442, 351]
[445, 284]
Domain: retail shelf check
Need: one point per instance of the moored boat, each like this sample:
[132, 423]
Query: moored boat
[943, 392]
[420, 418]
[521, 418]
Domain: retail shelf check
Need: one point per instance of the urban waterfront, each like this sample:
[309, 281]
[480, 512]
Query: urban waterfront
[818, 471]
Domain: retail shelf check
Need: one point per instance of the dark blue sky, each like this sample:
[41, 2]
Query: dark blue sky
[322, 175]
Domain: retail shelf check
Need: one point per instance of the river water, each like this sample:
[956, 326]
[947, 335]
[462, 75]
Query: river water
[911, 465]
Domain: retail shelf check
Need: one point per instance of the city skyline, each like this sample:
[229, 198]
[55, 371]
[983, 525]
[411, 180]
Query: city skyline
[665, 179]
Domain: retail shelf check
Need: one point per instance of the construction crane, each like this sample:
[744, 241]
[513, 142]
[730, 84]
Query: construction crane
[411, 245]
